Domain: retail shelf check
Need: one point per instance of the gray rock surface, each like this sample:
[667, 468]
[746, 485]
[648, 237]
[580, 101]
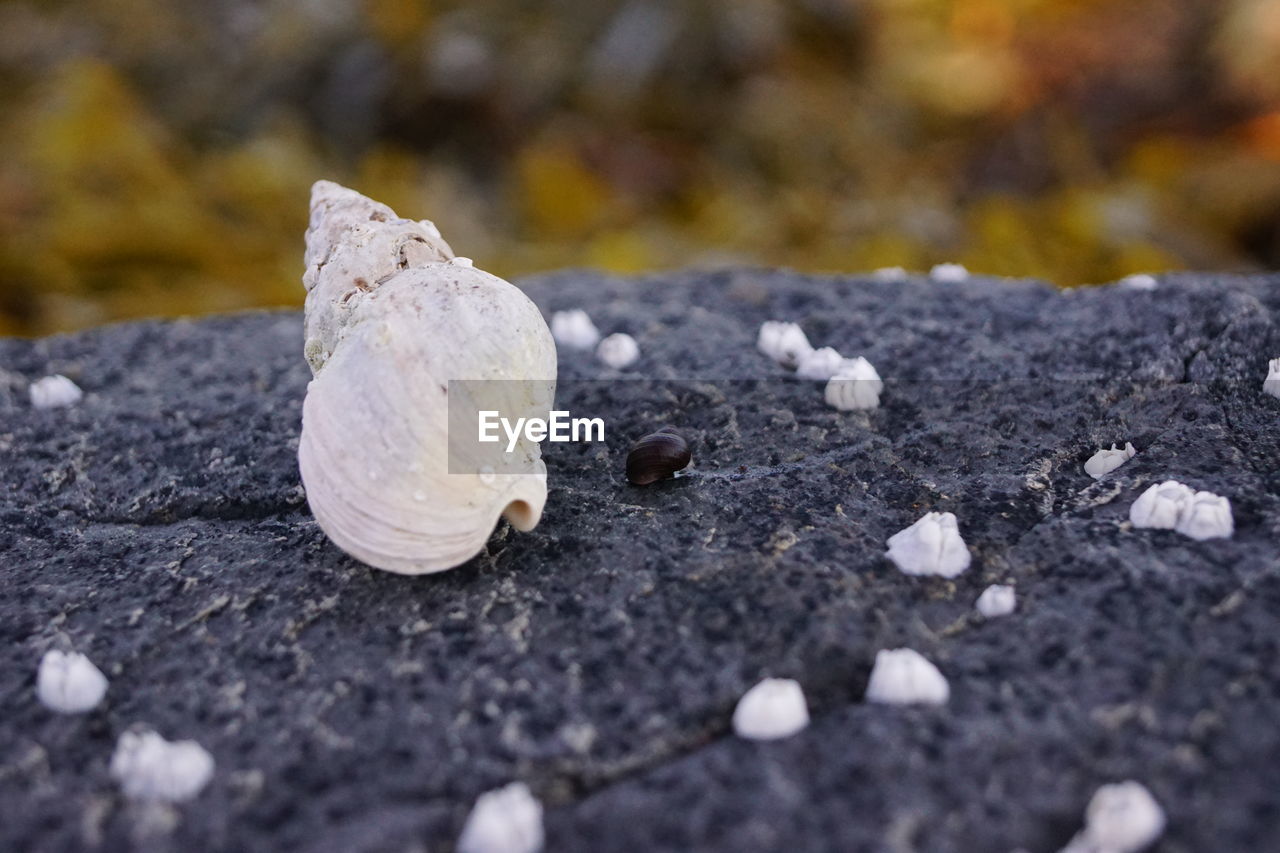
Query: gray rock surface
[160, 527]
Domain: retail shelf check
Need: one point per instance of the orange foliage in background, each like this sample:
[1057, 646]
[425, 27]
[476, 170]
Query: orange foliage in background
[155, 155]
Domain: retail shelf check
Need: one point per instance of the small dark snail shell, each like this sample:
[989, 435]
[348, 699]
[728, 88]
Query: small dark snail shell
[656, 457]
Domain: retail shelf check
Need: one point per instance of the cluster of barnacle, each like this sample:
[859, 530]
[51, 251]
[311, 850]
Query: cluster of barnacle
[1173, 506]
[653, 457]
[146, 766]
[575, 330]
[1122, 817]
[852, 383]
[1170, 505]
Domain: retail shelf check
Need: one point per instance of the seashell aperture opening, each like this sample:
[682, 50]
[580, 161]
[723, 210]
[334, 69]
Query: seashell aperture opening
[405, 346]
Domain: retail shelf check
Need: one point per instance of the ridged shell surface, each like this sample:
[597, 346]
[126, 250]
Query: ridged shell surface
[390, 323]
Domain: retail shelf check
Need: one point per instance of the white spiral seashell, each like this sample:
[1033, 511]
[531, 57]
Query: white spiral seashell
[391, 320]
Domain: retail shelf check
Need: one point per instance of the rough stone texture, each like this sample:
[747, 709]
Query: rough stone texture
[160, 527]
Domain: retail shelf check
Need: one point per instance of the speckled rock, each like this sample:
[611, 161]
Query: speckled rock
[159, 527]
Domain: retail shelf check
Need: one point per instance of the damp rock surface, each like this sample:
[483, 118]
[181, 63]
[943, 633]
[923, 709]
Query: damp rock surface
[159, 527]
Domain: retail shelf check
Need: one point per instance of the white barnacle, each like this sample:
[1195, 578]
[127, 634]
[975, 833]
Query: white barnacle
[1173, 506]
[931, 546]
[906, 677]
[1271, 385]
[574, 329]
[618, 350]
[1206, 516]
[820, 364]
[459, 260]
[889, 274]
[506, 820]
[773, 709]
[1139, 281]
[54, 392]
[996, 600]
[856, 385]
[1105, 461]
[949, 273]
[148, 767]
[1160, 506]
[1120, 818]
[69, 683]
[785, 343]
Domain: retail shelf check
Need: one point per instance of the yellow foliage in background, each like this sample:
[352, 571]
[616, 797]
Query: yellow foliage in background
[156, 155]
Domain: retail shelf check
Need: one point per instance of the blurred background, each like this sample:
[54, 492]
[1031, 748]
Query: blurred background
[156, 155]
